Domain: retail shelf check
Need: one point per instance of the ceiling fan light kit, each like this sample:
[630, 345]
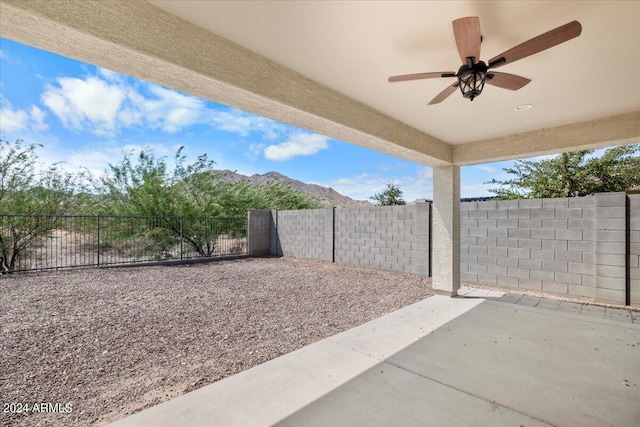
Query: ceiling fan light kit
[473, 74]
[471, 78]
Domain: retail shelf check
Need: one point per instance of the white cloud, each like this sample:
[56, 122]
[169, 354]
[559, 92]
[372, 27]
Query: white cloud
[419, 186]
[10, 59]
[485, 168]
[365, 185]
[359, 187]
[13, 120]
[111, 76]
[598, 153]
[241, 123]
[91, 103]
[104, 103]
[298, 144]
[37, 119]
[159, 150]
[538, 158]
[476, 190]
[425, 175]
[98, 160]
[169, 110]
[255, 150]
[107, 102]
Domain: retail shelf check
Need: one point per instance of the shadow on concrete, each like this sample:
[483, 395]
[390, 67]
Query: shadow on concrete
[440, 362]
[496, 365]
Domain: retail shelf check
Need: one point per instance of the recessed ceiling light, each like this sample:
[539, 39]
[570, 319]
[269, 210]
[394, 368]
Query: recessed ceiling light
[523, 107]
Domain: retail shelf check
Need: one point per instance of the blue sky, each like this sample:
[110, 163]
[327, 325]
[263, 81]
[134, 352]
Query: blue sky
[85, 116]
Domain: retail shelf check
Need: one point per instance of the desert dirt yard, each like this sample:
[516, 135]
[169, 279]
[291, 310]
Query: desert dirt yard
[93, 346]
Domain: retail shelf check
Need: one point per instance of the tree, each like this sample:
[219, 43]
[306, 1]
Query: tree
[147, 186]
[391, 195]
[275, 195]
[32, 202]
[573, 174]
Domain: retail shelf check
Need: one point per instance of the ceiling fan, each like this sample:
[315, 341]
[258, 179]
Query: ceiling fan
[473, 73]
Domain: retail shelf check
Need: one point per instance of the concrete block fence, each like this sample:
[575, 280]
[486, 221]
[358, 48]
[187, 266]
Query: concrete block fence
[586, 247]
[571, 246]
[390, 238]
[634, 248]
[304, 234]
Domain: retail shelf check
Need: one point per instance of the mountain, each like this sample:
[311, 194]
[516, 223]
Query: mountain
[327, 196]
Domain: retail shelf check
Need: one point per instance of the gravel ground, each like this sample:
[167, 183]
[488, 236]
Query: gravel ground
[111, 342]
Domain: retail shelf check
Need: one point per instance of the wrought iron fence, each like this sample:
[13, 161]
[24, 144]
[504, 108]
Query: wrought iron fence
[41, 242]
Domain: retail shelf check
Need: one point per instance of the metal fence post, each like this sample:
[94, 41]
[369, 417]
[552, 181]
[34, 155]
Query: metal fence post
[430, 250]
[181, 239]
[627, 257]
[333, 235]
[98, 240]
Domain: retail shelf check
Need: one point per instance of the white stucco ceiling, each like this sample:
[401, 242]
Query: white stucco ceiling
[353, 47]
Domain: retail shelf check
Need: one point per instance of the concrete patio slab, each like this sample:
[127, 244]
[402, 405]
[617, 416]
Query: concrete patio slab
[510, 298]
[548, 304]
[570, 307]
[387, 395]
[618, 314]
[593, 311]
[479, 293]
[442, 361]
[560, 368]
[529, 301]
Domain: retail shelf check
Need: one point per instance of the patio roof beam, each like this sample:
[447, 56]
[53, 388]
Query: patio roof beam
[603, 132]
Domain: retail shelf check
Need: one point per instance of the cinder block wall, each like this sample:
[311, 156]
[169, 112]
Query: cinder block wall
[385, 237]
[390, 238]
[573, 246]
[275, 244]
[304, 233]
[259, 224]
[634, 253]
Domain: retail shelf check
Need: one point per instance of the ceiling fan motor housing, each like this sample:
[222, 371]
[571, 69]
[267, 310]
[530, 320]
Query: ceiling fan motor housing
[471, 78]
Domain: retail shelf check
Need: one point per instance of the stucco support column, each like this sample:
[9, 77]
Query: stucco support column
[446, 230]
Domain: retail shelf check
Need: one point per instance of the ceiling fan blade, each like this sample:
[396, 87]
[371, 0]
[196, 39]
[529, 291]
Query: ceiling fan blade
[467, 34]
[444, 94]
[420, 76]
[537, 44]
[507, 81]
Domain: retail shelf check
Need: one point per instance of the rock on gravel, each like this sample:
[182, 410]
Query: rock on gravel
[106, 343]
